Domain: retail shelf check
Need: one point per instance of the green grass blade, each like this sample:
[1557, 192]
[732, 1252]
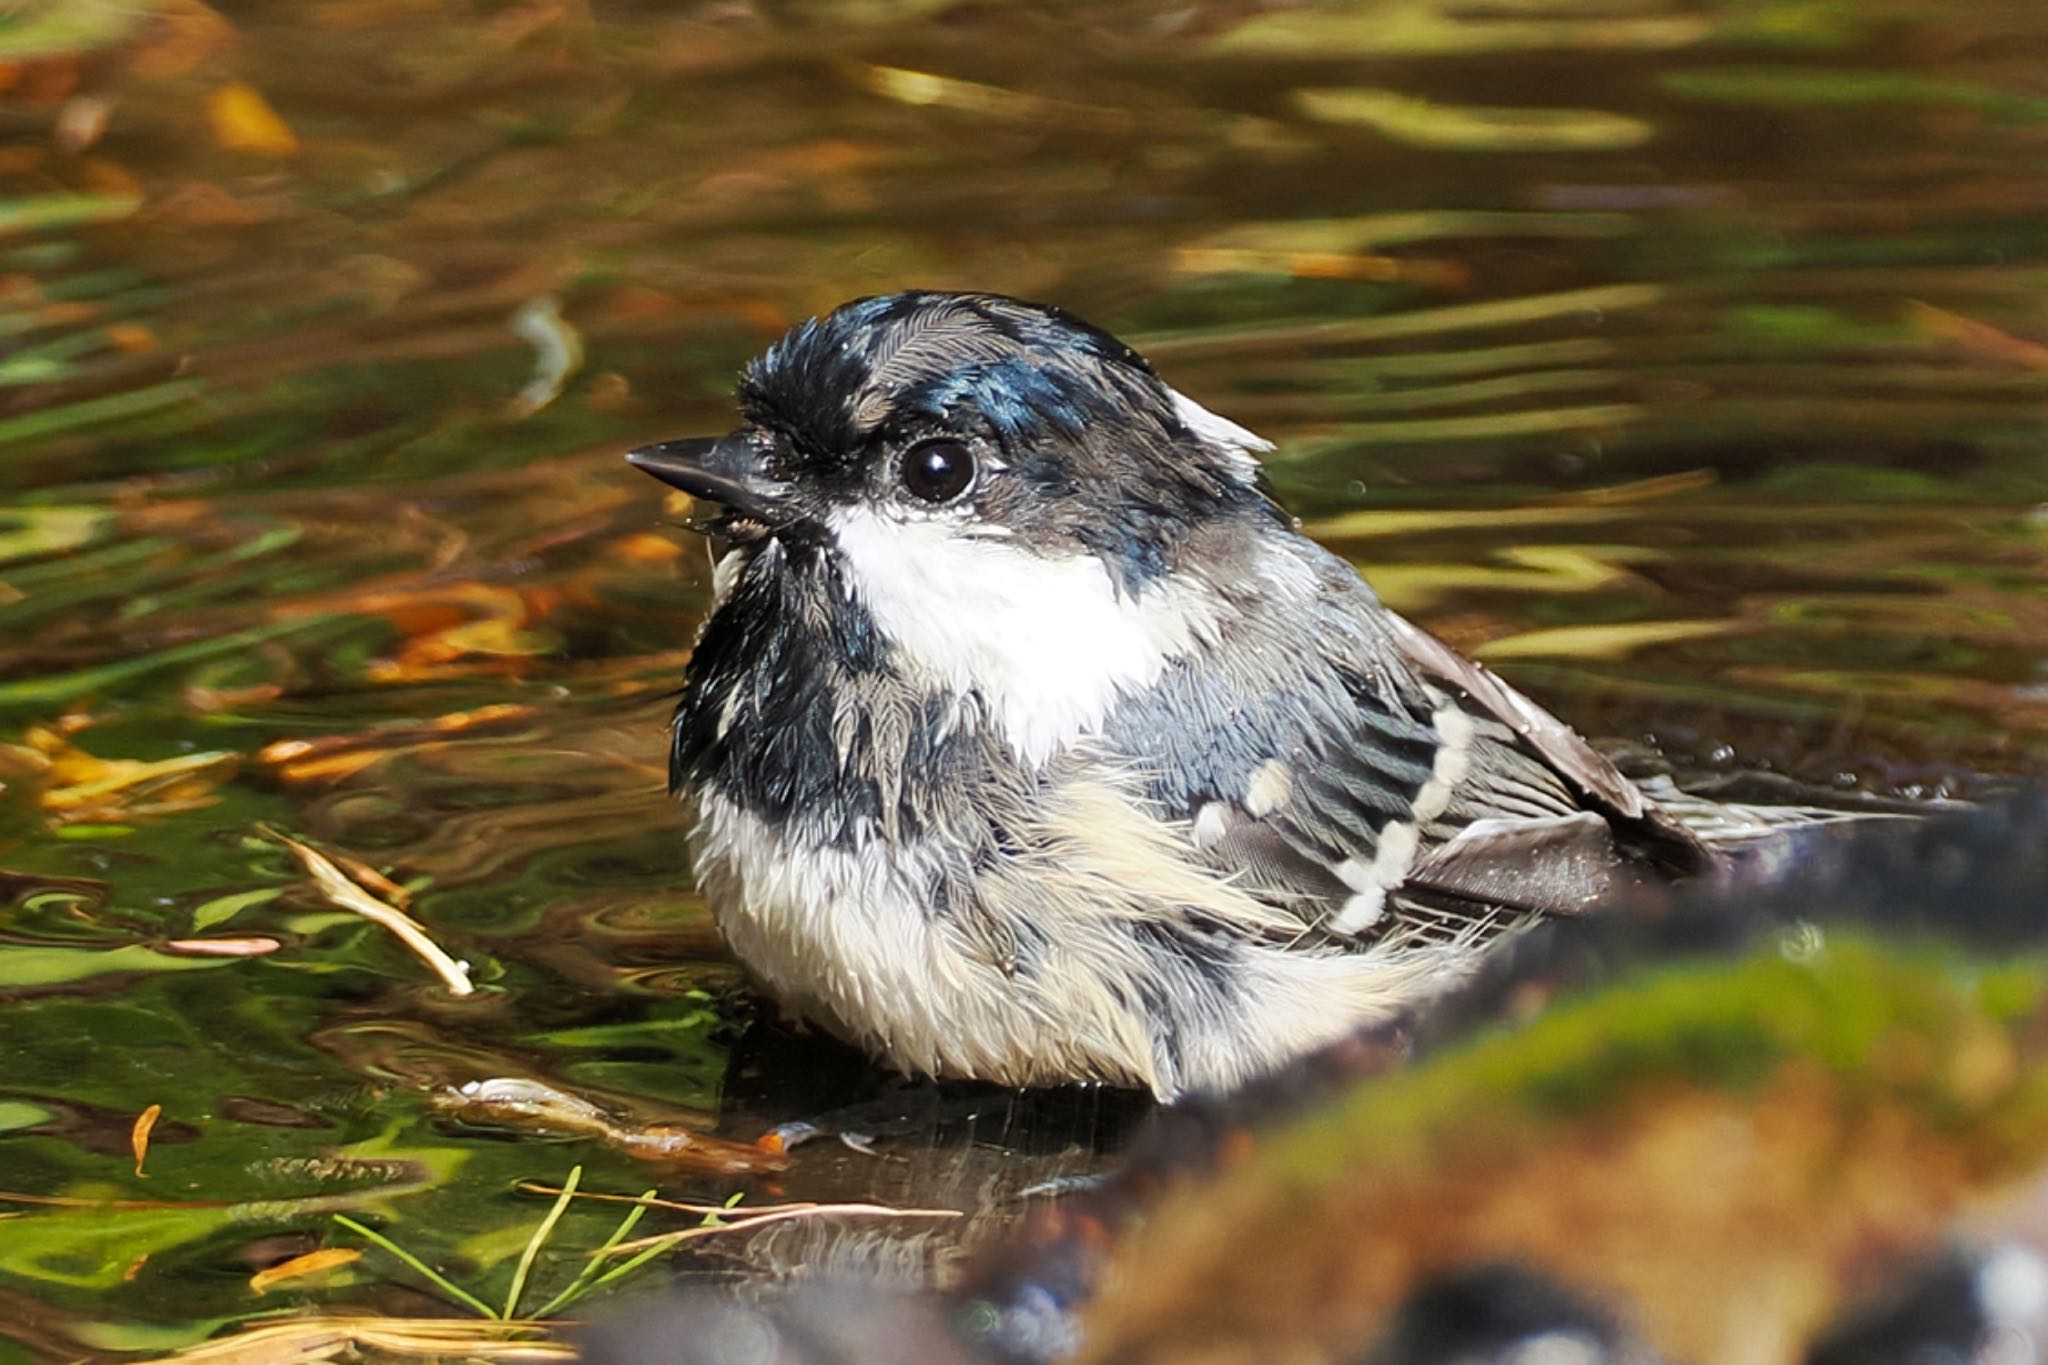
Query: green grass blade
[631, 1264]
[440, 1281]
[582, 1283]
[540, 1236]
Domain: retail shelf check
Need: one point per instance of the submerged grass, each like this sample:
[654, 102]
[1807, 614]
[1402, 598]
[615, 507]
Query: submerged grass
[587, 1281]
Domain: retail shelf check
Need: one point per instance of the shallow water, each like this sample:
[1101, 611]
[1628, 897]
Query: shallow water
[1686, 361]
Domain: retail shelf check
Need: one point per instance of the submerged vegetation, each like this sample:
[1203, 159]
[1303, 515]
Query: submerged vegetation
[592, 1277]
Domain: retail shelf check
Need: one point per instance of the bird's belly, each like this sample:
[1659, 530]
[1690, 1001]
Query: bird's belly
[849, 940]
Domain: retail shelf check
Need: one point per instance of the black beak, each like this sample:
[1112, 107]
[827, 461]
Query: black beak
[721, 469]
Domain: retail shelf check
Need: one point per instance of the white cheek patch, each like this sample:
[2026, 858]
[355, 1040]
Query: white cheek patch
[1049, 642]
[1242, 448]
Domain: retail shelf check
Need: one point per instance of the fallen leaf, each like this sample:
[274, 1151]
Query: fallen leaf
[132, 337]
[322, 756]
[645, 547]
[243, 121]
[138, 1136]
[82, 788]
[298, 1267]
[254, 946]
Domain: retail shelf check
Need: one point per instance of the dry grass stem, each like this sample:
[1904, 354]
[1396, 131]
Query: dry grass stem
[340, 1336]
[739, 1220]
[346, 893]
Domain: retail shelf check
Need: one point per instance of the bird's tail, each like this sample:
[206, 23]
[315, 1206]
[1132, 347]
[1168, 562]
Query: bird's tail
[1761, 843]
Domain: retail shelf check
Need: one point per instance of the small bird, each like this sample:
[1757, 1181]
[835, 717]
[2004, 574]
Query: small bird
[1031, 741]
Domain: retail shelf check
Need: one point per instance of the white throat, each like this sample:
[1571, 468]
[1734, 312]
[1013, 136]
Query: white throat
[1050, 642]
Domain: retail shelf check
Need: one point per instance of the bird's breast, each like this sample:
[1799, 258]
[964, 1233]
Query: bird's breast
[866, 942]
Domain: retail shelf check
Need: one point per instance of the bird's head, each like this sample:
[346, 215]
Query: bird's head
[972, 417]
[1008, 492]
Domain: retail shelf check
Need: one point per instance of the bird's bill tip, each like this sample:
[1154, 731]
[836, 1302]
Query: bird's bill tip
[673, 461]
[718, 469]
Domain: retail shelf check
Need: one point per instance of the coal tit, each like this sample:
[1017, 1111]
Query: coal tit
[1031, 741]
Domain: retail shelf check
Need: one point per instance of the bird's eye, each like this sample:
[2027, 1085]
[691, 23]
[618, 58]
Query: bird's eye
[938, 471]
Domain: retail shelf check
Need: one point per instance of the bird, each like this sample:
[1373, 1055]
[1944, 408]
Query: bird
[1031, 740]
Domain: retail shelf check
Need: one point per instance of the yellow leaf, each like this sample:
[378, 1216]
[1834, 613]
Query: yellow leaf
[1426, 123]
[1614, 641]
[298, 1267]
[243, 121]
[138, 1136]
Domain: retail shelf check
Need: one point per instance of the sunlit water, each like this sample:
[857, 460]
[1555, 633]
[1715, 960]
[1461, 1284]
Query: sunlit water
[1685, 361]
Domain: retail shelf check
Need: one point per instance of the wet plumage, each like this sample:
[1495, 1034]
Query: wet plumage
[1031, 741]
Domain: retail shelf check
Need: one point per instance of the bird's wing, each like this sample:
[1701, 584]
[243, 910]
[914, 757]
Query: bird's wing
[1420, 809]
[1381, 783]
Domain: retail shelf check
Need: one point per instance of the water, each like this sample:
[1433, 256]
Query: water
[1686, 361]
